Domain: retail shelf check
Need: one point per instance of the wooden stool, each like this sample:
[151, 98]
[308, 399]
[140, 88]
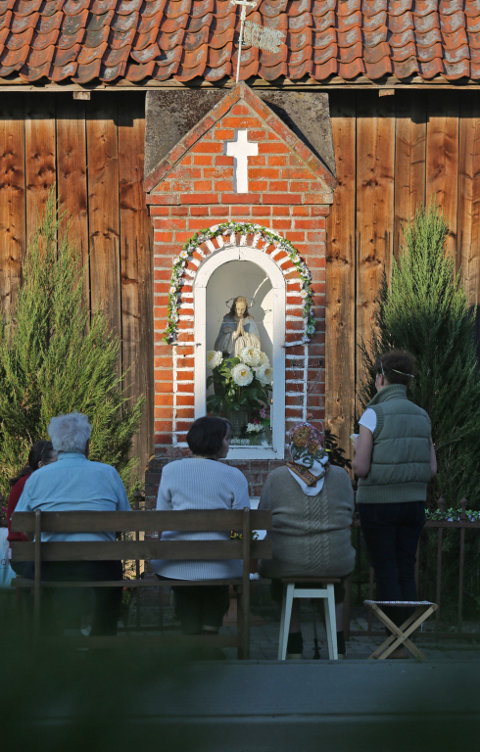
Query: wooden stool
[294, 587]
[400, 634]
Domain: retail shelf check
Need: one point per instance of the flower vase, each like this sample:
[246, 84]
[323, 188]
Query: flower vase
[238, 419]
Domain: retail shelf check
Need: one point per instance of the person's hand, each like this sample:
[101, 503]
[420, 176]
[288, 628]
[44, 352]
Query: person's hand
[240, 330]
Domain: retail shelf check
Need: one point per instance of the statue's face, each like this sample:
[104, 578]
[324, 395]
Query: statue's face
[240, 307]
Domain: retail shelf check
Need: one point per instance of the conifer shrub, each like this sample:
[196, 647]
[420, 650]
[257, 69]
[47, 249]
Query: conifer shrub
[424, 309]
[56, 358]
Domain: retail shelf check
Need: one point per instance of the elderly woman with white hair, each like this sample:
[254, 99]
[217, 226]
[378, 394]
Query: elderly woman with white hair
[74, 483]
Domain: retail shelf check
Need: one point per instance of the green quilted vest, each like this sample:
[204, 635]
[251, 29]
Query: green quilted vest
[400, 468]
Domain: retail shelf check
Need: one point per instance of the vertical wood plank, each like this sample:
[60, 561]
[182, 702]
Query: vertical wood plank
[375, 209]
[72, 178]
[103, 211]
[340, 297]
[442, 159]
[137, 309]
[410, 146]
[12, 204]
[40, 157]
[468, 244]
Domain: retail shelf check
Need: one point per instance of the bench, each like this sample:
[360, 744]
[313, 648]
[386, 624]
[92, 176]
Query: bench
[140, 540]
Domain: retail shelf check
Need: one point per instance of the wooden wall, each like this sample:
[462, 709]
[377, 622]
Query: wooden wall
[392, 153]
[93, 151]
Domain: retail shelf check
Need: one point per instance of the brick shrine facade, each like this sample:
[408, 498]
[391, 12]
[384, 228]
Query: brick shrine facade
[192, 188]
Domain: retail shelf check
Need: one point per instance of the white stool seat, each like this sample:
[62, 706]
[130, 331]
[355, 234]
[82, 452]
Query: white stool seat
[299, 588]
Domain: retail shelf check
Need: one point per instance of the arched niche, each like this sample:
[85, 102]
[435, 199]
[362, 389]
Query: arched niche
[225, 274]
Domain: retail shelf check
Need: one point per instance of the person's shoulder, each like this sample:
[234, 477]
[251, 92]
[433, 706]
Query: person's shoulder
[101, 467]
[278, 473]
[337, 472]
[231, 470]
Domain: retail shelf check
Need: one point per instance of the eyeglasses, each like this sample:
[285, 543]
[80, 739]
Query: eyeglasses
[380, 370]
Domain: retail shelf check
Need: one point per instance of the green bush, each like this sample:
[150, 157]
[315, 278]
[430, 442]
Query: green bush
[424, 309]
[55, 358]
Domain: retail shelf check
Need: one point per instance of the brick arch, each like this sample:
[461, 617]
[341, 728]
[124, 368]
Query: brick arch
[202, 255]
[203, 245]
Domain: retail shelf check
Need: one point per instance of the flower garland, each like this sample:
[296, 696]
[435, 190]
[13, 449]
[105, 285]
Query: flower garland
[179, 264]
[453, 514]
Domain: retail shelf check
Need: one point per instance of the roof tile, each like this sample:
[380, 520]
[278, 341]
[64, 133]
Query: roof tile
[61, 73]
[398, 24]
[72, 7]
[137, 73]
[47, 24]
[147, 54]
[194, 39]
[399, 7]
[324, 21]
[153, 7]
[51, 7]
[20, 23]
[42, 41]
[89, 54]
[86, 73]
[67, 57]
[17, 41]
[27, 7]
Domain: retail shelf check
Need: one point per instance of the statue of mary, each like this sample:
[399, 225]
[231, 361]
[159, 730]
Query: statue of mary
[237, 330]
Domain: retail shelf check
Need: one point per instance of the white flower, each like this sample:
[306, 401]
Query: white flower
[254, 428]
[214, 358]
[251, 356]
[242, 374]
[264, 374]
[264, 361]
[184, 255]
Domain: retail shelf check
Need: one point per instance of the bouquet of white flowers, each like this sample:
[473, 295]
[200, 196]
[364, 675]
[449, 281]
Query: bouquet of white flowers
[240, 384]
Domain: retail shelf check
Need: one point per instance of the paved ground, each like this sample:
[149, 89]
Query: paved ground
[140, 698]
[264, 631]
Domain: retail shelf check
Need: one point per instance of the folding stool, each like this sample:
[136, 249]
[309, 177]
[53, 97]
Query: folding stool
[319, 588]
[400, 634]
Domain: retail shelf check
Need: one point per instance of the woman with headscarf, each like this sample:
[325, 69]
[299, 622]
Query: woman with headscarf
[312, 508]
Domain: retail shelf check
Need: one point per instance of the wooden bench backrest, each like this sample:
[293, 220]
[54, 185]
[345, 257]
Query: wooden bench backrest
[148, 523]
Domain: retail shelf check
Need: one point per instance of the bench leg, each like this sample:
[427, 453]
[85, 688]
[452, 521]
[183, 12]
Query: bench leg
[287, 602]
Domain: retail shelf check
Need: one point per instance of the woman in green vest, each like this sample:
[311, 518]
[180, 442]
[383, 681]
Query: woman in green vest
[394, 461]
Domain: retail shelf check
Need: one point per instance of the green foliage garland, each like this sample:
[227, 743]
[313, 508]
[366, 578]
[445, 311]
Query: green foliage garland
[225, 228]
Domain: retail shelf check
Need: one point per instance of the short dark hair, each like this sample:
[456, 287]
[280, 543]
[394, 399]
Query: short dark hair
[40, 451]
[398, 366]
[206, 435]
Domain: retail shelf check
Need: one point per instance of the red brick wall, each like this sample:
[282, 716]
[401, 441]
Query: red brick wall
[194, 191]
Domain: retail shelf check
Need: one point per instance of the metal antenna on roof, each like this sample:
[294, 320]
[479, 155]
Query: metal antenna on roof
[244, 5]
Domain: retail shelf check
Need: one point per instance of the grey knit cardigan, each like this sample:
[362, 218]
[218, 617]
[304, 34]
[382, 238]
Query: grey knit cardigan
[310, 534]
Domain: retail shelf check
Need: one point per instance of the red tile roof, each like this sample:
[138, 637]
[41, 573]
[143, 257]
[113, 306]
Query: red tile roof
[93, 41]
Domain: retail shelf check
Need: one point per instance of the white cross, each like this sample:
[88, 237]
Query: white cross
[240, 150]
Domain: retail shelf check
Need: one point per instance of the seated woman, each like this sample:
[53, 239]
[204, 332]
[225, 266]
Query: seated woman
[312, 509]
[41, 453]
[201, 482]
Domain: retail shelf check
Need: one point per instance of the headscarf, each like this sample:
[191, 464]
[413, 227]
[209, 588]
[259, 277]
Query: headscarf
[309, 459]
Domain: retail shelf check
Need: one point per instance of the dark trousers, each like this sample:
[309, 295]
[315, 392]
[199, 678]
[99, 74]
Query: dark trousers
[391, 533]
[72, 602]
[197, 607]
